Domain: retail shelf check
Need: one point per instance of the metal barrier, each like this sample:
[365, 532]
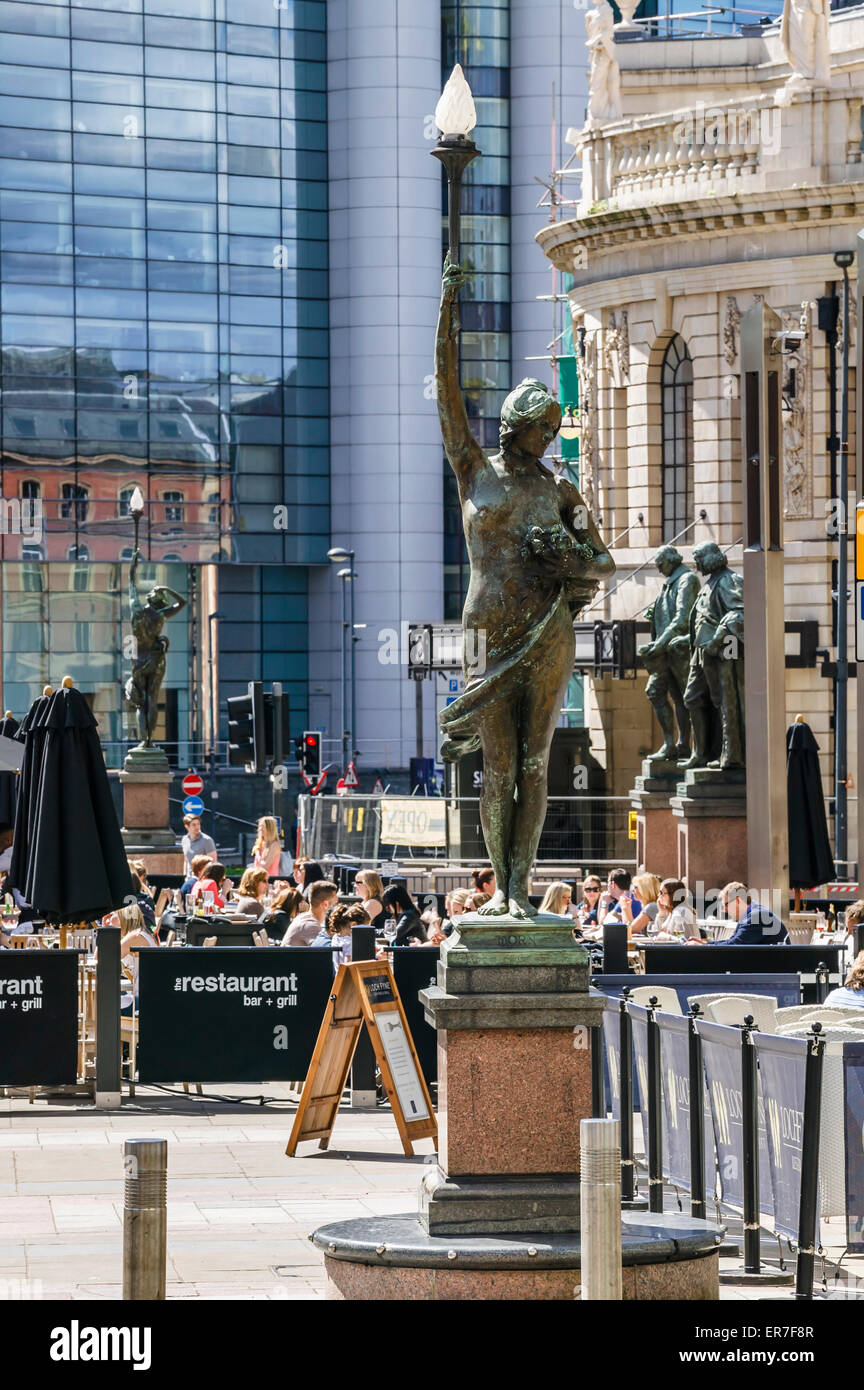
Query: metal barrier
[586, 830]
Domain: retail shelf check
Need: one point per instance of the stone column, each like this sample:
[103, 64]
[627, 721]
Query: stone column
[147, 833]
[656, 827]
[512, 1008]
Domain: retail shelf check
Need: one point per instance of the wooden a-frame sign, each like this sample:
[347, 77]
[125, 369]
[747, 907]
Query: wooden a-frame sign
[364, 993]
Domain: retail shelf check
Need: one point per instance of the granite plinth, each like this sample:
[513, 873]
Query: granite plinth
[663, 1257]
[510, 1101]
[144, 758]
[481, 1206]
[146, 831]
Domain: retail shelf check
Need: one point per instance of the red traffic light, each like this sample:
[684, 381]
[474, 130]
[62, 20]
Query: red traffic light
[311, 740]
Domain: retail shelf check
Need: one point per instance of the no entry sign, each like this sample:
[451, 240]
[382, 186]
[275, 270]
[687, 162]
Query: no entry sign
[193, 785]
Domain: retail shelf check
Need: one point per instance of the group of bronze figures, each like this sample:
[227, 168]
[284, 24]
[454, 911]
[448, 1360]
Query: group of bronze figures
[695, 660]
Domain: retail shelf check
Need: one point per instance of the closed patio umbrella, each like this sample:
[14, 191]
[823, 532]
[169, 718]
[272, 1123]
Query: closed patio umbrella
[8, 780]
[68, 857]
[811, 860]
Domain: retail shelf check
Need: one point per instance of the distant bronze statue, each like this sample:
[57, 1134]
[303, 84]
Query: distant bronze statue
[667, 655]
[148, 663]
[536, 560]
[716, 678]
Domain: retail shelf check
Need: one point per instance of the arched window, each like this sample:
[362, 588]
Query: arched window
[677, 399]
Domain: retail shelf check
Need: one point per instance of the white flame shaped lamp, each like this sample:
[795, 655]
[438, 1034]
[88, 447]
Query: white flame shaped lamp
[136, 511]
[455, 117]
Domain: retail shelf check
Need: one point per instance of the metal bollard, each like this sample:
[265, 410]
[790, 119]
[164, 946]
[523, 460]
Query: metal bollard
[808, 1207]
[697, 1127]
[598, 1080]
[145, 1163]
[625, 1052]
[600, 1206]
[750, 1148]
[822, 982]
[654, 1111]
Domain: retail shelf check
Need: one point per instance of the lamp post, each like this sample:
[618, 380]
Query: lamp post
[214, 704]
[338, 555]
[136, 511]
[455, 117]
[843, 260]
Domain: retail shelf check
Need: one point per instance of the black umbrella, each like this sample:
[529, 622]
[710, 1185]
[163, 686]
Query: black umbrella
[8, 780]
[811, 859]
[68, 858]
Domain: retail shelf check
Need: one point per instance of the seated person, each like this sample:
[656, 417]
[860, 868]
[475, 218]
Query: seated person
[398, 903]
[252, 892]
[675, 917]
[586, 912]
[133, 932]
[640, 907]
[336, 932]
[307, 925]
[199, 864]
[454, 906]
[556, 899]
[145, 902]
[851, 993]
[286, 906]
[757, 925]
[211, 881]
[610, 906]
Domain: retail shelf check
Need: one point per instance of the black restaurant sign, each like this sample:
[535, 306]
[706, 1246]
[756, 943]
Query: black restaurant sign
[231, 1013]
[38, 1018]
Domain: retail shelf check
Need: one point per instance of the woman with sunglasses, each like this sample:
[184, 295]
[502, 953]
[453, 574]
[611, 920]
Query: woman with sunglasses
[586, 912]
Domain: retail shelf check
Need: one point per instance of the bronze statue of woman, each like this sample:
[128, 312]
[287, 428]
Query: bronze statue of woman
[536, 559]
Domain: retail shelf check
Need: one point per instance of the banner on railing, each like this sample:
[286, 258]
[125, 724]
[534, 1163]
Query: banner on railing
[230, 1013]
[853, 1093]
[782, 1072]
[38, 1018]
[639, 1023]
[612, 1039]
[721, 1055]
[675, 1053]
[413, 820]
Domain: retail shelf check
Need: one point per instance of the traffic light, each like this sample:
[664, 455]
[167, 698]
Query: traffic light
[312, 754]
[277, 717]
[246, 734]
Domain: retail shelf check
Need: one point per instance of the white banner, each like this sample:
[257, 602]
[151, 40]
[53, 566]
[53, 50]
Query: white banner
[413, 820]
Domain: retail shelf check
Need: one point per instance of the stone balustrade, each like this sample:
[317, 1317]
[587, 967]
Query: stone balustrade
[718, 150]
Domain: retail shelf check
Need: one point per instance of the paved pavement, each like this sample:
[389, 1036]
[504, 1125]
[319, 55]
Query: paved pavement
[239, 1210]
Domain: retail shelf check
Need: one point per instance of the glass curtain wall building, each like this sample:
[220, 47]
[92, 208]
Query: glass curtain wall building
[477, 36]
[163, 324]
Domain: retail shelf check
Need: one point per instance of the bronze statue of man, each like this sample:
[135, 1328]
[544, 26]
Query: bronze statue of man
[148, 664]
[717, 661]
[667, 655]
[536, 560]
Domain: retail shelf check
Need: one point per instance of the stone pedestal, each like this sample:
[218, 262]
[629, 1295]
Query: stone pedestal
[499, 1214]
[710, 811]
[147, 833]
[656, 831]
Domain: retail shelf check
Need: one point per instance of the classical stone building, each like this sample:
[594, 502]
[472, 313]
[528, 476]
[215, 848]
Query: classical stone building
[705, 197]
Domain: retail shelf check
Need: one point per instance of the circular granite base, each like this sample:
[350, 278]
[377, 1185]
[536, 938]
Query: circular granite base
[392, 1257]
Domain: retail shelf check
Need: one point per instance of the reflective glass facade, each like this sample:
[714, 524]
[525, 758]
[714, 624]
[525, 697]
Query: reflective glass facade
[163, 322]
[477, 36]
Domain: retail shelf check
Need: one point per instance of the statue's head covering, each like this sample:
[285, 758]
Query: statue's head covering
[527, 402]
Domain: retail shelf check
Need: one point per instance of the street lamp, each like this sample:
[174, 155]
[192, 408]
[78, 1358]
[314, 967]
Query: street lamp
[136, 510]
[843, 260]
[214, 707]
[455, 117]
[338, 555]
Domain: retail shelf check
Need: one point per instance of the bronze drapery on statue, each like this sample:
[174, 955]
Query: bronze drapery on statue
[536, 560]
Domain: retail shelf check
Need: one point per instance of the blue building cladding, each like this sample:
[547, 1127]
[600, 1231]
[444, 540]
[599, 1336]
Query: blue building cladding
[164, 282]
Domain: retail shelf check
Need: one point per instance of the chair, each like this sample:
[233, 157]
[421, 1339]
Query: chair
[801, 933]
[791, 1014]
[721, 931]
[26, 942]
[734, 1008]
[843, 1017]
[666, 998]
